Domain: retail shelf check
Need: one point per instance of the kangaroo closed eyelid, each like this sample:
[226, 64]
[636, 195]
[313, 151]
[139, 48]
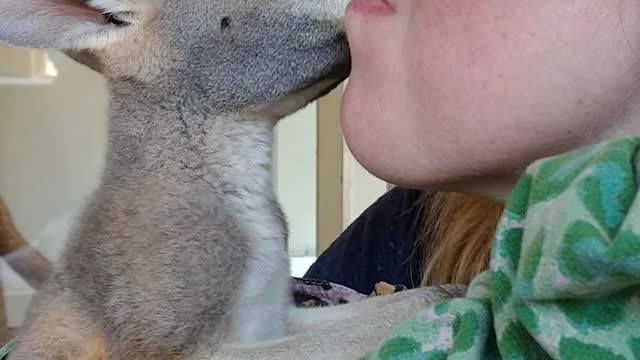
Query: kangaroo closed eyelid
[225, 22]
[113, 18]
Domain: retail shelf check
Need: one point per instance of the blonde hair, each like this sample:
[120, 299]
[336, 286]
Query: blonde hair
[457, 230]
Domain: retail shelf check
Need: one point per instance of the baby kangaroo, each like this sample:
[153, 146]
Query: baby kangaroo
[182, 247]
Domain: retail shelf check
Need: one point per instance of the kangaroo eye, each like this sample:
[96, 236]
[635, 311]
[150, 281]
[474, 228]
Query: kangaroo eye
[225, 23]
[115, 19]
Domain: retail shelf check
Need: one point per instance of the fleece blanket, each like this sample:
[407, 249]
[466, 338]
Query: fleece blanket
[308, 293]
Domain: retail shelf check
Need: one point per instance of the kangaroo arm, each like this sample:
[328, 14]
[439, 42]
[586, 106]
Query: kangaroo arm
[343, 332]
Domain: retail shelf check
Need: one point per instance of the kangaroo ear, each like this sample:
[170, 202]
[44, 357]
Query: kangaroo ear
[58, 24]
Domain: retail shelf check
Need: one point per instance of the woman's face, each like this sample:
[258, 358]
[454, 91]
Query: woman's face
[443, 91]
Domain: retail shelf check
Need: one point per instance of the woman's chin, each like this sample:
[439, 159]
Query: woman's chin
[363, 131]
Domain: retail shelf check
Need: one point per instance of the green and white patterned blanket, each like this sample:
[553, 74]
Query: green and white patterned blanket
[564, 279]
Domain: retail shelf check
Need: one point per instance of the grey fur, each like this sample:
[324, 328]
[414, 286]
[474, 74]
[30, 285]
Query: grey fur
[343, 332]
[185, 207]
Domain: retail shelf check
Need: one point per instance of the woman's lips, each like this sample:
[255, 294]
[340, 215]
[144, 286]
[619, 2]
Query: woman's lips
[371, 7]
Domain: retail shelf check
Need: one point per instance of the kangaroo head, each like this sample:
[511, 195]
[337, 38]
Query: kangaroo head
[232, 55]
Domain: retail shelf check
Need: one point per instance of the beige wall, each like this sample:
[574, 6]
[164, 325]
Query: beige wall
[361, 188]
[51, 149]
[329, 171]
[52, 140]
[295, 177]
[22, 66]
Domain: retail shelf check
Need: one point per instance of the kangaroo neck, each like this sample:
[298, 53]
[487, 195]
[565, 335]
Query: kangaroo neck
[184, 144]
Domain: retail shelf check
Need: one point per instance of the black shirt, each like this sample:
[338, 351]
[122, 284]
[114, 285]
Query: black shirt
[380, 245]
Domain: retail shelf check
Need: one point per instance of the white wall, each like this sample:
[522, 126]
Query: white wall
[52, 141]
[295, 156]
[361, 188]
